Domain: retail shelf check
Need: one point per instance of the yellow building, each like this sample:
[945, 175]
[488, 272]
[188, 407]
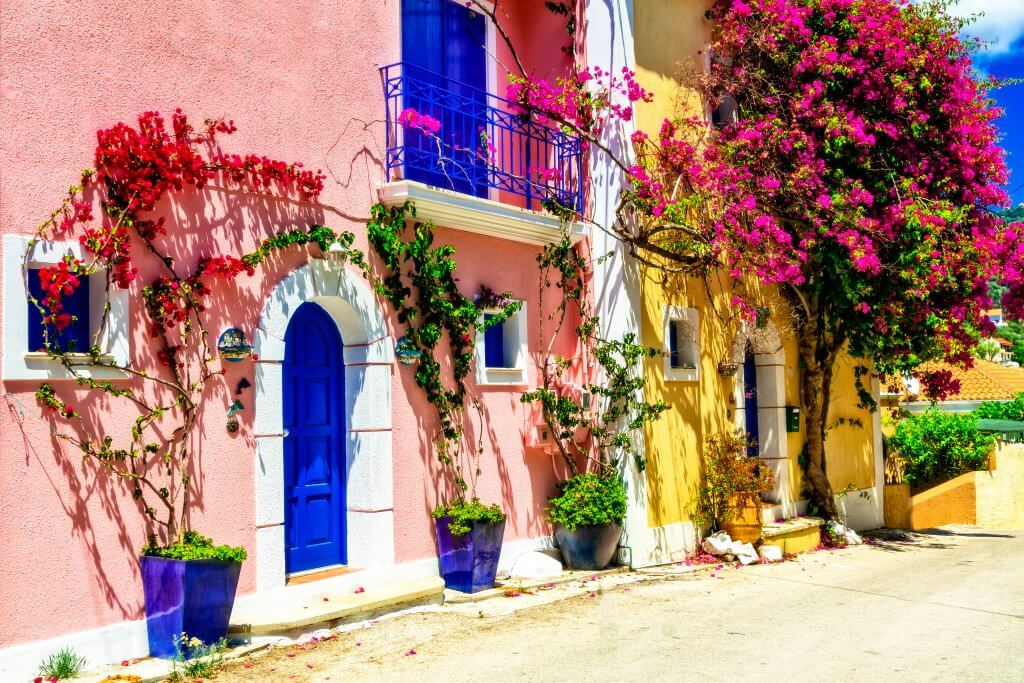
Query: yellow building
[704, 340]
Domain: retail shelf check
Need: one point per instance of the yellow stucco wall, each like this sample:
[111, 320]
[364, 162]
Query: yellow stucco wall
[669, 42]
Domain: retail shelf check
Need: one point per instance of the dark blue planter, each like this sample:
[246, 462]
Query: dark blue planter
[187, 596]
[588, 547]
[469, 562]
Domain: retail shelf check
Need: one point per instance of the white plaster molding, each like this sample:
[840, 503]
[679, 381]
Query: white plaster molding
[19, 361]
[368, 352]
[100, 646]
[689, 319]
[269, 481]
[459, 211]
[367, 397]
[515, 347]
[371, 538]
[270, 550]
[368, 471]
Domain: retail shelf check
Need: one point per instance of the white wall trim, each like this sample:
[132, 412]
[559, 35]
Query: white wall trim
[515, 341]
[99, 646]
[690, 319]
[459, 211]
[20, 362]
[369, 352]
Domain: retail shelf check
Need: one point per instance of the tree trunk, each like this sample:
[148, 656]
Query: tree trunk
[815, 399]
[818, 352]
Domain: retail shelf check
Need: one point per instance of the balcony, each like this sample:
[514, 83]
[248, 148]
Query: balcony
[473, 161]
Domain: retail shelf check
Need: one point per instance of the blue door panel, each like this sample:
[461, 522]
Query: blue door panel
[314, 416]
[750, 402]
[444, 51]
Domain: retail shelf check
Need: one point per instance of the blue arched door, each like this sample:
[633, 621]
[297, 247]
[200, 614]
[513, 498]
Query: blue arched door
[314, 446]
[750, 402]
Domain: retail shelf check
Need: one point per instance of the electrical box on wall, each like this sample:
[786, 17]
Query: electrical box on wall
[792, 419]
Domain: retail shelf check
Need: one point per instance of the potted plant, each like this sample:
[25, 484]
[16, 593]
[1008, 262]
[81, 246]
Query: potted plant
[592, 422]
[469, 536]
[587, 514]
[189, 588]
[729, 498]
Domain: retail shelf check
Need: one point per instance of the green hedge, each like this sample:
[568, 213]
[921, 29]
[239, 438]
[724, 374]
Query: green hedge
[999, 410]
[937, 447]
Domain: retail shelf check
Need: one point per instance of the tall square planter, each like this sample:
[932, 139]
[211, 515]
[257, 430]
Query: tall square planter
[469, 562]
[194, 597]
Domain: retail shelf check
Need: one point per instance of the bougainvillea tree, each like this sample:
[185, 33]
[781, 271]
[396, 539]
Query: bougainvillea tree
[134, 169]
[851, 185]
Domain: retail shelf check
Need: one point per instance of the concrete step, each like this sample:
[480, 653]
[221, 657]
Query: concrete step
[288, 612]
[795, 535]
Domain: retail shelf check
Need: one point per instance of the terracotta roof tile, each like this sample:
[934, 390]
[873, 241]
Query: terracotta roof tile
[986, 381]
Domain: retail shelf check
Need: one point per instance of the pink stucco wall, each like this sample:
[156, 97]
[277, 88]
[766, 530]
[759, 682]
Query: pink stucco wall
[299, 79]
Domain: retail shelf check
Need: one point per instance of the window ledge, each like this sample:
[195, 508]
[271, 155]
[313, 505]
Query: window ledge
[450, 209]
[502, 377]
[682, 375]
[40, 361]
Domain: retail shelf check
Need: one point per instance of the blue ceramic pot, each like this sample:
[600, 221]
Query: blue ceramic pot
[194, 597]
[588, 547]
[469, 562]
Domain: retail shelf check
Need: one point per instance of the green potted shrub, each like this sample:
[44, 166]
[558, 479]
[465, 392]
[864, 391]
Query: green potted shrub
[588, 513]
[729, 496]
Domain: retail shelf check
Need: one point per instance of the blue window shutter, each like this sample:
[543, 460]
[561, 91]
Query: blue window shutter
[77, 305]
[673, 343]
[494, 345]
[422, 35]
[444, 51]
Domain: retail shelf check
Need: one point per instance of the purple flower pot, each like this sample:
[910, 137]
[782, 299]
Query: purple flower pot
[469, 562]
[588, 547]
[194, 597]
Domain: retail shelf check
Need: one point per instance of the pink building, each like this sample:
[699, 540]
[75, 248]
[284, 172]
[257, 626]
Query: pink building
[323, 83]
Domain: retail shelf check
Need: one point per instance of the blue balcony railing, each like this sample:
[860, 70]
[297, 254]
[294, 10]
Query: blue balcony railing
[447, 134]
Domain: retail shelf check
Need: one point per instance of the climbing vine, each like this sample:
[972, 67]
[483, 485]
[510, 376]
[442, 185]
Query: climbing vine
[134, 169]
[609, 405]
[421, 286]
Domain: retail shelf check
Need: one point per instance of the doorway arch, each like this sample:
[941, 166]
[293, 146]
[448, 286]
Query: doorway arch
[366, 356]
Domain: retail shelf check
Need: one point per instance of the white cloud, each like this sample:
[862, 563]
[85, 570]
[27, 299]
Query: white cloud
[1002, 24]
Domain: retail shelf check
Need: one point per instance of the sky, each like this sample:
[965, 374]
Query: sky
[1003, 27]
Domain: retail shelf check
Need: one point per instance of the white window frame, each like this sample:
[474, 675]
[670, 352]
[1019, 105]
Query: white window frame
[690, 317]
[515, 341]
[23, 363]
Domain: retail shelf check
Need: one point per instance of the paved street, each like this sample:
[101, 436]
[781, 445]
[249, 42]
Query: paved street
[946, 605]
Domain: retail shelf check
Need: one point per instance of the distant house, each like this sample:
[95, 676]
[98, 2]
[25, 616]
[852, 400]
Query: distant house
[986, 381]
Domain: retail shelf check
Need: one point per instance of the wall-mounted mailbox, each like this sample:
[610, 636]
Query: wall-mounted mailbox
[792, 419]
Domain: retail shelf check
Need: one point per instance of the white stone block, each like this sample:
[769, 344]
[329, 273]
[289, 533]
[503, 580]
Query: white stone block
[770, 553]
[269, 481]
[293, 291]
[537, 564]
[267, 346]
[368, 471]
[368, 396]
[381, 351]
[270, 558]
[771, 386]
[371, 539]
[268, 417]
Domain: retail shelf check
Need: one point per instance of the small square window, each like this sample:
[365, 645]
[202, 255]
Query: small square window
[75, 337]
[682, 344]
[494, 344]
[500, 354]
[23, 321]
